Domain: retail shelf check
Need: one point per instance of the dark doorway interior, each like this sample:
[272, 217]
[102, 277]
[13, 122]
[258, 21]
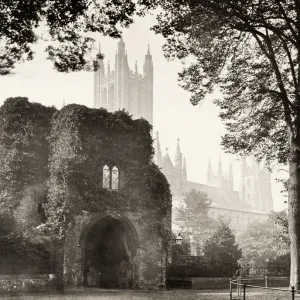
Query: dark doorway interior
[109, 251]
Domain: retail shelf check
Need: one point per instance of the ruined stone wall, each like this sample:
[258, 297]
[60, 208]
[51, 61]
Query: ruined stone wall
[82, 142]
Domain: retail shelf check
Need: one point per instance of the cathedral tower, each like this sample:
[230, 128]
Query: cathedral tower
[123, 88]
[255, 188]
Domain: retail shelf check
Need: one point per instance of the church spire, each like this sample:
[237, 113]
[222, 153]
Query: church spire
[121, 47]
[220, 173]
[209, 173]
[178, 156]
[158, 151]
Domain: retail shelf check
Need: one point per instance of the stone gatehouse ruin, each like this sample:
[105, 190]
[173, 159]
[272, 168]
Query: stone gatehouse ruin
[93, 193]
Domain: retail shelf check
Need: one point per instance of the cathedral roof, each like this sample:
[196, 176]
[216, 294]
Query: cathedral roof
[220, 197]
[167, 163]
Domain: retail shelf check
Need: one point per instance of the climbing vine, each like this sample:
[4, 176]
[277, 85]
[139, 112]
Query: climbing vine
[56, 158]
[82, 141]
[24, 149]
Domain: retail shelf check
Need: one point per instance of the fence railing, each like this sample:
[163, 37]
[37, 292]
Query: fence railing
[13, 267]
[242, 288]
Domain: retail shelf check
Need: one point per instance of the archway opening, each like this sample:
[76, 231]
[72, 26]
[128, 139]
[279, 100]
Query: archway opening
[109, 250]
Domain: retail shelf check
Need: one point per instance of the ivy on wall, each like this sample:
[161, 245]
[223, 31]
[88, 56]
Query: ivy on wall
[83, 140]
[24, 148]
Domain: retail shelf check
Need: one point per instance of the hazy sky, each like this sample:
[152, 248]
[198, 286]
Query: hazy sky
[198, 127]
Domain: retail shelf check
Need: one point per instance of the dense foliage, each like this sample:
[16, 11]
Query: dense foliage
[24, 149]
[192, 217]
[265, 245]
[68, 25]
[247, 49]
[82, 142]
[250, 50]
[56, 158]
[221, 251]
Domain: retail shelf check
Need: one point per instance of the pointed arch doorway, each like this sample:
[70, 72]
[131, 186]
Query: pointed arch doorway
[110, 248]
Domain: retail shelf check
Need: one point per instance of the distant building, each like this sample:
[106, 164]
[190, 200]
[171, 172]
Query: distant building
[255, 188]
[123, 88]
[241, 208]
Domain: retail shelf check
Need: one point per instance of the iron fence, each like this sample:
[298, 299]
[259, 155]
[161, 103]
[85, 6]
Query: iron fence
[15, 266]
[243, 290]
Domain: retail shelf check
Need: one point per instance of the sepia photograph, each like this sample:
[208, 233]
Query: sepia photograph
[149, 149]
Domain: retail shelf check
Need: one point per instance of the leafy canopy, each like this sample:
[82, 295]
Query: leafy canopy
[251, 51]
[192, 217]
[265, 242]
[68, 25]
[24, 128]
[221, 251]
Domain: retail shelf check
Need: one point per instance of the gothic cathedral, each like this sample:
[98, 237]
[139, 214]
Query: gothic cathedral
[124, 88]
[132, 91]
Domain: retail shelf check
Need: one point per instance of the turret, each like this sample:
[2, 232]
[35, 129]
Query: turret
[220, 173]
[121, 47]
[209, 177]
[99, 75]
[178, 157]
[148, 76]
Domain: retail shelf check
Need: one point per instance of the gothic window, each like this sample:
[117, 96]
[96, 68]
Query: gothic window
[111, 178]
[115, 178]
[106, 177]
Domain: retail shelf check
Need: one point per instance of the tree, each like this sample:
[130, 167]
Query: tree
[221, 251]
[265, 244]
[251, 51]
[68, 25]
[192, 217]
[24, 128]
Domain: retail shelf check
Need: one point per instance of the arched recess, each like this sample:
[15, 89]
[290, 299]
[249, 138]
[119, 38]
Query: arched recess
[109, 244]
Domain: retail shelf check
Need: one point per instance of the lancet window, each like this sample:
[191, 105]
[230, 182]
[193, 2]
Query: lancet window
[111, 177]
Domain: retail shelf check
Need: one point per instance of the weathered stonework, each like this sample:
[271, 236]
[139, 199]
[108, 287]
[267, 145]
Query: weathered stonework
[114, 237]
[146, 263]
[90, 188]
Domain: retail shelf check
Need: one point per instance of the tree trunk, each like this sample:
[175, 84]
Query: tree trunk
[294, 214]
[59, 264]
